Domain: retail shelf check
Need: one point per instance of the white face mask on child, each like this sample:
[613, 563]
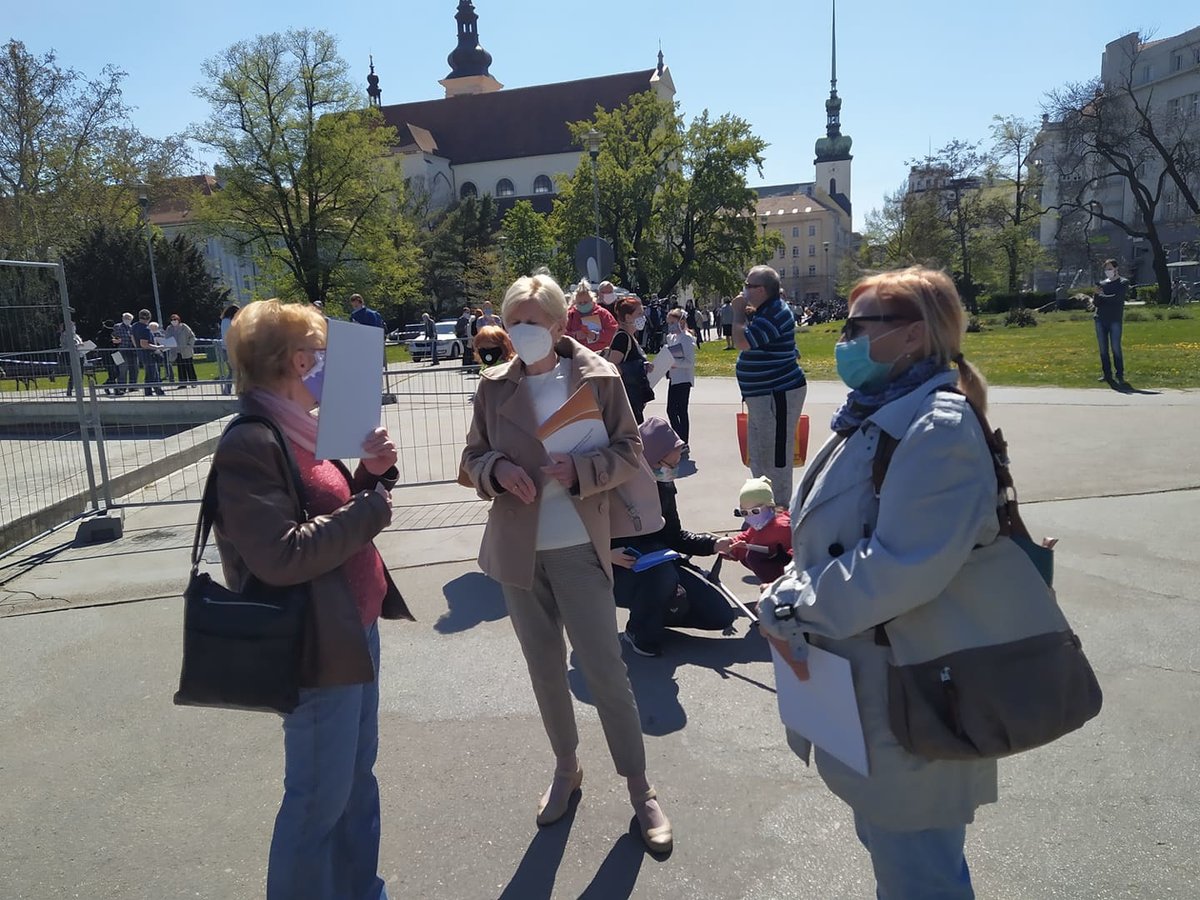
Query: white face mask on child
[764, 516]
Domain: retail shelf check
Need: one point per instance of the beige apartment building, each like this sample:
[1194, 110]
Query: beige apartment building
[816, 236]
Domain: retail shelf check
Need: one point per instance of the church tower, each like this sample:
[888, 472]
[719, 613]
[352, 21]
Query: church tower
[833, 150]
[469, 62]
[374, 94]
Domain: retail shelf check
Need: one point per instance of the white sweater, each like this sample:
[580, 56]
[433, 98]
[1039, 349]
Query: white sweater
[682, 371]
[559, 524]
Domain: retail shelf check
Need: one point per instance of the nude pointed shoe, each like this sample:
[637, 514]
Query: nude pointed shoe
[658, 839]
[557, 800]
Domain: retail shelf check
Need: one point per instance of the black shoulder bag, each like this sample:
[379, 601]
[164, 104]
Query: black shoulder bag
[241, 650]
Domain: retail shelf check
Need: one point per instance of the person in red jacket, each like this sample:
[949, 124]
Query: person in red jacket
[765, 547]
[588, 322]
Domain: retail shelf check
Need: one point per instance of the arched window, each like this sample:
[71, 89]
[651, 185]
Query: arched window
[504, 188]
[832, 187]
[468, 190]
[543, 185]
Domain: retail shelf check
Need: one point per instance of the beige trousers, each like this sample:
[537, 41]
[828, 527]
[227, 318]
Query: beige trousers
[571, 590]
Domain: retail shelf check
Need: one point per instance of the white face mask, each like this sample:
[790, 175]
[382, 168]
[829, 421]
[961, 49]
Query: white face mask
[764, 516]
[532, 343]
[639, 323]
[1110, 274]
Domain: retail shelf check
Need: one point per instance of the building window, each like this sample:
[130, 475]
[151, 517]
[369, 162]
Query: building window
[812, 249]
[1144, 74]
[812, 271]
[1176, 62]
[1173, 108]
[812, 230]
[795, 271]
[543, 185]
[782, 252]
[796, 250]
[468, 190]
[1194, 108]
[504, 188]
[795, 231]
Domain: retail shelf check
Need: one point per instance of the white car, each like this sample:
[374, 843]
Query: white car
[448, 346]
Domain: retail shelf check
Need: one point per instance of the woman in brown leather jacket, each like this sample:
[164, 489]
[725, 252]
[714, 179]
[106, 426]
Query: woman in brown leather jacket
[326, 839]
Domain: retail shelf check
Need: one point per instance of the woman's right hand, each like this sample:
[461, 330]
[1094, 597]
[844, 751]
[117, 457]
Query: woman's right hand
[622, 559]
[515, 480]
[723, 546]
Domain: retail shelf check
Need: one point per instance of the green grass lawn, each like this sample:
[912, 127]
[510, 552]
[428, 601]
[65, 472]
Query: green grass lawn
[1061, 350]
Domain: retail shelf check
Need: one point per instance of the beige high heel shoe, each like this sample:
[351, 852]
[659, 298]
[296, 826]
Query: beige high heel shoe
[557, 800]
[658, 839]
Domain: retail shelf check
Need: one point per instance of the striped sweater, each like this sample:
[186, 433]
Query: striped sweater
[770, 364]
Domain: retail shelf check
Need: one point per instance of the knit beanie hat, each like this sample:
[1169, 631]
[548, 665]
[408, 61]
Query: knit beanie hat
[756, 492]
[658, 439]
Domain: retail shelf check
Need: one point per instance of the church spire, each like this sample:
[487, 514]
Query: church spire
[373, 91]
[468, 59]
[835, 145]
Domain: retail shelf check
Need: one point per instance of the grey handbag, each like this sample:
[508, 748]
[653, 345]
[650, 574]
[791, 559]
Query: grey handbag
[998, 672]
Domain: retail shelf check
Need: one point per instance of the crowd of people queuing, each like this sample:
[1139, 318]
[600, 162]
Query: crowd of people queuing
[836, 558]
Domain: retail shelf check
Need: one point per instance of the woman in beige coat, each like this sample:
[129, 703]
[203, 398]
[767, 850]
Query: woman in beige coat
[864, 560]
[548, 534]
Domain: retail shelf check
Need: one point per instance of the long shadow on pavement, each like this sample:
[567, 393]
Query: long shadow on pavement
[653, 678]
[1124, 387]
[534, 878]
[471, 599]
[618, 874]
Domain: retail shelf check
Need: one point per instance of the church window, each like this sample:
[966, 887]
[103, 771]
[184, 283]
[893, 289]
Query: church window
[543, 185]
[504, 188]
[468, 190]
[832, 187]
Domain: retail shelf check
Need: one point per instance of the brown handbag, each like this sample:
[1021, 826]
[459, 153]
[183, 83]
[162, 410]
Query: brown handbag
[634, 507]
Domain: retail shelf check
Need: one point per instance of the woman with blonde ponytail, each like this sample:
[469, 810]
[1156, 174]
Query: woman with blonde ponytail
[868, 553]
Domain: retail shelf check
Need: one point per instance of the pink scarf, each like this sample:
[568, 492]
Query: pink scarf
[298, 423]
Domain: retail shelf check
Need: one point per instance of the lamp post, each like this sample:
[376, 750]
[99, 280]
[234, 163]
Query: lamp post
[762, 221]
[592, 142]
[144, 203]
[828, 280]
[633, 274]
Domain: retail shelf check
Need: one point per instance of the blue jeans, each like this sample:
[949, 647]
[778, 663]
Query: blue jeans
[917, 865]
[326, 840]
[1110, 333]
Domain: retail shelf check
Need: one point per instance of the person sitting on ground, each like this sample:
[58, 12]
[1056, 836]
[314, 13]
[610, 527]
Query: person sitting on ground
[493, 346]
[765, 546]
[588, 322]
[651, 595]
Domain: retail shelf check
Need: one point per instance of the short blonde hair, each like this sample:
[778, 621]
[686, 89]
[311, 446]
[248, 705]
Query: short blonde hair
[263, 337]
[543, 290]
[584, 288]
[930, 296]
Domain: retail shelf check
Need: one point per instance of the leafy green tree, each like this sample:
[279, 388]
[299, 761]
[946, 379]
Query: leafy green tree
[1014, 198]
[462, 261]
[909, 229]
[108, 273]
[528, 240]
[310, 189]
[69, 157]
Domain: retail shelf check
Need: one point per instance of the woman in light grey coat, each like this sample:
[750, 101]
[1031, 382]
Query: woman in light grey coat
[862, 560]
[185, 347]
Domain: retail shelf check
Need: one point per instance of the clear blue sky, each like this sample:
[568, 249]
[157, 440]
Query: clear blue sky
[910, 74]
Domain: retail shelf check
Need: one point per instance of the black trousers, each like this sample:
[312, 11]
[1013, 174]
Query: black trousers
[677, 408]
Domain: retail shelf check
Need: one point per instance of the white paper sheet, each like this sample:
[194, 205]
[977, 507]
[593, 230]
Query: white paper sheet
[823, 709]
[352, 396]
[662, 363]
[118, 359]
[170, 342]
[87, 346]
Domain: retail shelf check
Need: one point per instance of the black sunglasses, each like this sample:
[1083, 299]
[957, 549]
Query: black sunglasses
[748, 286]
[854, 327]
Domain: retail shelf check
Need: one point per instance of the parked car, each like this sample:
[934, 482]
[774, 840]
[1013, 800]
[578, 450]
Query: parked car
[448, 346]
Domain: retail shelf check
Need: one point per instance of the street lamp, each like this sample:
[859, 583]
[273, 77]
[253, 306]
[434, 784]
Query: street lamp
[633, 273]
[144, 203]
[828, 281]
[592, 141]
[762, 221]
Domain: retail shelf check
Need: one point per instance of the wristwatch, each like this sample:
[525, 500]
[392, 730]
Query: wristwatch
[784, 611]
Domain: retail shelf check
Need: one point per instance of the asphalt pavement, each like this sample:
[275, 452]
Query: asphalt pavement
[109, 791]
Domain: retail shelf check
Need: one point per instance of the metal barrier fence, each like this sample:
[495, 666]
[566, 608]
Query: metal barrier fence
[430, 419]
[46, 474]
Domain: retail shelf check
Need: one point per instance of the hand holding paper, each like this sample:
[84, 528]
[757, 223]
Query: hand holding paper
[378, 452]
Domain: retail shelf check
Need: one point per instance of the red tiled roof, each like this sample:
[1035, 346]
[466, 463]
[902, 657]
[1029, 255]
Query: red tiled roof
[510, 124]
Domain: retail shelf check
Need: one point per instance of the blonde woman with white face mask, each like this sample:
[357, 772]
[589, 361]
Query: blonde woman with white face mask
[548, 537]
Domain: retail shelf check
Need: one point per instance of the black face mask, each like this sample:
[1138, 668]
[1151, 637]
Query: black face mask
[489, 355]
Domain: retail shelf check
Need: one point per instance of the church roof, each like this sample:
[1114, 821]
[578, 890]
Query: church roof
[512, 123]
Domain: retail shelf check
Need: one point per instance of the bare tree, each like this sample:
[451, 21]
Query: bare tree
[1118, 134]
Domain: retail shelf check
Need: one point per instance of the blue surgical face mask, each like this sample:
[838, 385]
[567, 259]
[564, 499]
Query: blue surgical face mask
[764, 516]
[584, 308]
[855, 366]
[314, 380]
